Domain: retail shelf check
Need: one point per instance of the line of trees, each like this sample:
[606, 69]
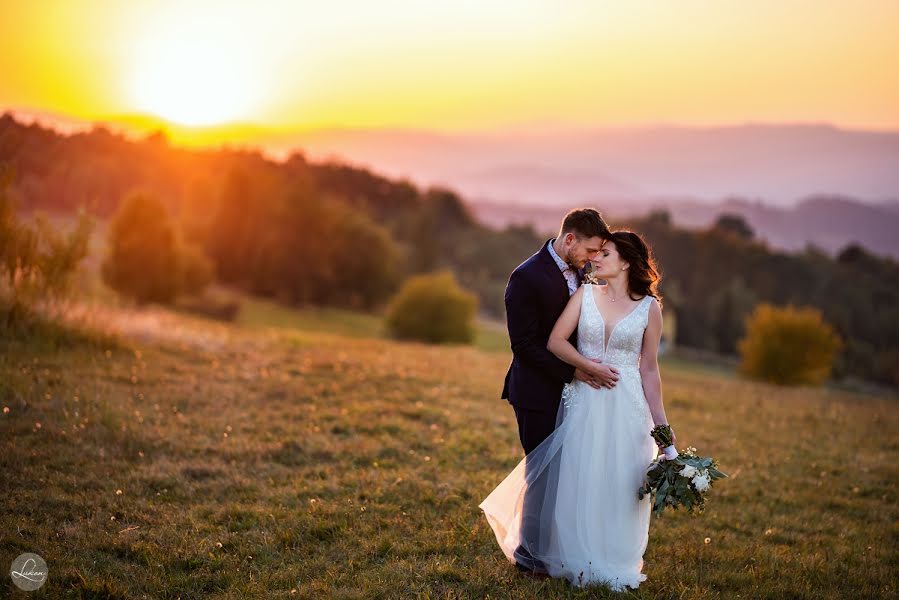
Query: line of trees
[337, 234]
[716, 277]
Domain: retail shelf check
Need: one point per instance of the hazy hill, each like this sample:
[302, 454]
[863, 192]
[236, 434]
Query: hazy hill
[828, 222]
[779, 164]
[796, 183]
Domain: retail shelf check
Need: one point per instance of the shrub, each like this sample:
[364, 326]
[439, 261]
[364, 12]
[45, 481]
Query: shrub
[142, 259]
[147, 260]
[195, 270]
[788, 345]
[433, 308]
[37, 263]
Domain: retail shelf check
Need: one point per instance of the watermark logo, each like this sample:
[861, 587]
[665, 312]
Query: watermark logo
[29, 571]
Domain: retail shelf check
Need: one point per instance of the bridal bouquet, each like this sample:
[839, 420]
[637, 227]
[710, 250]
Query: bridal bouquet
[681, 480]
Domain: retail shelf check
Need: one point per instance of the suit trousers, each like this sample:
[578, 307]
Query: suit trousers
[533, 427]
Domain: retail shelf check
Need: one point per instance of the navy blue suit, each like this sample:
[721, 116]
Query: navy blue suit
[536, 295]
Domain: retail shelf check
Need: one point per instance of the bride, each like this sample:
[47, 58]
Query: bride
[589, 526]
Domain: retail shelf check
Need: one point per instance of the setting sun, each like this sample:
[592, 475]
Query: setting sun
[289, 65]
[193, 72]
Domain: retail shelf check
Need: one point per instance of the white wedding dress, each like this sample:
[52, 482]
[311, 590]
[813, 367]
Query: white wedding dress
[582, 519]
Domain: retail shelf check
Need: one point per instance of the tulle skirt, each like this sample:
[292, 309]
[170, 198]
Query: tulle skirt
[570, 508]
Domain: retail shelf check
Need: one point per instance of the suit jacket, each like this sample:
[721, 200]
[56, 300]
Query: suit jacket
[536, 295]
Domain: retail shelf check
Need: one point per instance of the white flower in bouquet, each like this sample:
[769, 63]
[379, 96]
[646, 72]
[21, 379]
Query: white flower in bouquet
[683, 480]
[701, 482]
[689, 471]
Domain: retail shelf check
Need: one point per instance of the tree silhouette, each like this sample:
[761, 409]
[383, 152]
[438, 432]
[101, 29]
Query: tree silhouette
[142, 260]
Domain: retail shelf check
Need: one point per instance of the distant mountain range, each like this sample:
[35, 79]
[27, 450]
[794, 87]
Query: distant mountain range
[828, 222]
[794, 183]
[778, 164]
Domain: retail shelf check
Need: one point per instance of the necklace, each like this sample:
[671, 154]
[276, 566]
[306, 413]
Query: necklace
[607, 293]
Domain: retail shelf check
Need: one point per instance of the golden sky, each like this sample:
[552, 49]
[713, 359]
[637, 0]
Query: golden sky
[458, 65]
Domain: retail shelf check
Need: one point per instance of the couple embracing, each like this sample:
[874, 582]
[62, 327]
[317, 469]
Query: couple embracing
[585, 387]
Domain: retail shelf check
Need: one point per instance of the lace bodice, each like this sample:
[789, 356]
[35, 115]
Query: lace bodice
[625, 340]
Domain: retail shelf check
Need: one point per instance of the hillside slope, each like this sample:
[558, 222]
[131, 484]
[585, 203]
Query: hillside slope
[197, 459]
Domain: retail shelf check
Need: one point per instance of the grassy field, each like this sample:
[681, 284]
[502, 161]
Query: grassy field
[255, 312]
[277, 458]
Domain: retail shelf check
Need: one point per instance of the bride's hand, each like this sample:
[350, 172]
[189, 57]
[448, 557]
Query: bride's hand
[673, 442]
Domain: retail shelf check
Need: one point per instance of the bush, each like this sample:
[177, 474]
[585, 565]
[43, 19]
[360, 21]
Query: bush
[788, 346]
[142, 261]
[433, 308]
[147, 260]
[195, 270]
[37, 263]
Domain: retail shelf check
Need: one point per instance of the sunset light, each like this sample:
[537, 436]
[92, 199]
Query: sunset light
[193, 71]
[420, 298]
[191, 85]
[454, 66]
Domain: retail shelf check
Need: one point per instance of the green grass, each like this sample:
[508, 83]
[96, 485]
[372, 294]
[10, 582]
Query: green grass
[681, 362]
[262, 313]
[289, 456]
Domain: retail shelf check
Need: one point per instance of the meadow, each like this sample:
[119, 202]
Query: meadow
[292, 454]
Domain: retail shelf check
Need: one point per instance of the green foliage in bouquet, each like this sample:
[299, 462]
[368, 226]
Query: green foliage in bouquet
[682, 481]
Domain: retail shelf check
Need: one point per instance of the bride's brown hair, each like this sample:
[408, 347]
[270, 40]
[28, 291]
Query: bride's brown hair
[643, 273]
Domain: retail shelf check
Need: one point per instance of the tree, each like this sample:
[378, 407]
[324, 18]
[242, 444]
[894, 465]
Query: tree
[195, 270]
[142, 261]
[323, 251]
[237, 221]
[447, 208]
[729, 307]
[734, 224]
[855, 256]
[659, 216]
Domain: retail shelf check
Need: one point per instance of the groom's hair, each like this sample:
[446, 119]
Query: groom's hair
[584, 222]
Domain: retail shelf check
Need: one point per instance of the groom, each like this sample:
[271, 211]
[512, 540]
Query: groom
[537, 292]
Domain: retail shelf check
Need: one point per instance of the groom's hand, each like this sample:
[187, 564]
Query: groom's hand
[605, 375]
[586, 378]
